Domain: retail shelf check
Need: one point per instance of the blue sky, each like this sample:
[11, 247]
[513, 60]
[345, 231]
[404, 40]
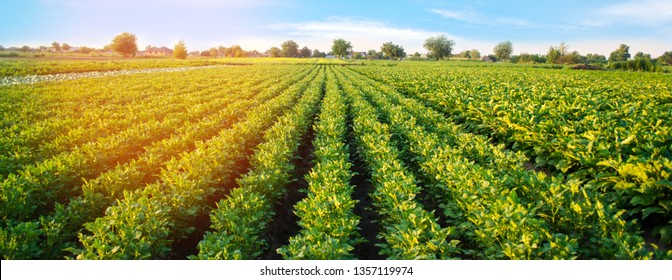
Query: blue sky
[588, 26]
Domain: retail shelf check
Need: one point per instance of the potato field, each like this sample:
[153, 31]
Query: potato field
[407, 160]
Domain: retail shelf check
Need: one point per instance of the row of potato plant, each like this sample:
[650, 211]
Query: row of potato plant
[78, 120]
[240, 219]
[32, 146]
[519, 196]
[146, 223]
[409, 231]
[329, 227]
[47, 237]
[609, 130]
[34, 190]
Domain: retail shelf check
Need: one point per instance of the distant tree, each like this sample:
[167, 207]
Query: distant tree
[358, 55]
[213, 52]
[415, 56]
[289, 49]
[439, 46]
[571, 58]
[2, 49]
[25, 49]
[595, 59]
[666, 58]
[341, 48]
[274, 51]
[503, 50]
[318, 53]
[125, 44]
[463, 54]
[305, 52]
[252, 53]
[643, 55]
[221, 50]
[65, 47]
[205, 53]
[235, 51]
[180, 51]
[553, 55]
[56, 46]
[372, 54]
[393, 51]
[474, 54]
[523, 58]
[85, 50]
[620, 54]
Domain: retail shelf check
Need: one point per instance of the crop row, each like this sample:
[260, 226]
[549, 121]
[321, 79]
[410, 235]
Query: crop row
[146, 223]
[47, 238]
[611, 132]
[409, 231]
[240, 219]
[329, 228]
[504, 210]
[77, 121]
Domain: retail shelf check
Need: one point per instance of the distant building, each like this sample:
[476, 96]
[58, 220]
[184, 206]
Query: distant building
[154, 51]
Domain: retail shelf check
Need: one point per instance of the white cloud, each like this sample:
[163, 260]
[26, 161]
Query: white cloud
[364, 33]
[647, 12]
[479, 19]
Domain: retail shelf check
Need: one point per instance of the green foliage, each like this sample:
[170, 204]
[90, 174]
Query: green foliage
[180, 51]
[328, 224]
[289, 49]
[305, 52]
[124, 43]
[643, 64]
[609, 136]
[393, 51]
[240, 219]
[439, 46]
[620, 54]
[503, 51]
[341, 48]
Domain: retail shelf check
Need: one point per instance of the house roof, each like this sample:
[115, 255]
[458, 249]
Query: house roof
[161, 49]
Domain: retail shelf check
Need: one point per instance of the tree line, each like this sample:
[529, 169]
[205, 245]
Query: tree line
[438, 48]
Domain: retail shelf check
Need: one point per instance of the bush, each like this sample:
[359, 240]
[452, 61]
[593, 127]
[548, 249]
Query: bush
[587, 67]
[638, 64]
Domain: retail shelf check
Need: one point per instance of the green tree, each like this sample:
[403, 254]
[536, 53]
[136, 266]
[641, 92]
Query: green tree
[463, 54]
[553, 55]
[274, 52]
[180, 51]
[341, 48]
[595, 58]
[620, 54]
[503, 50]
[289, 49]
[393, 51]
[439, 46]
[56, 46]
[65, 47]
[125, 44]
[318, 53]
[666, 58]
[305, 52]
[475, 54]
[372, 54]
